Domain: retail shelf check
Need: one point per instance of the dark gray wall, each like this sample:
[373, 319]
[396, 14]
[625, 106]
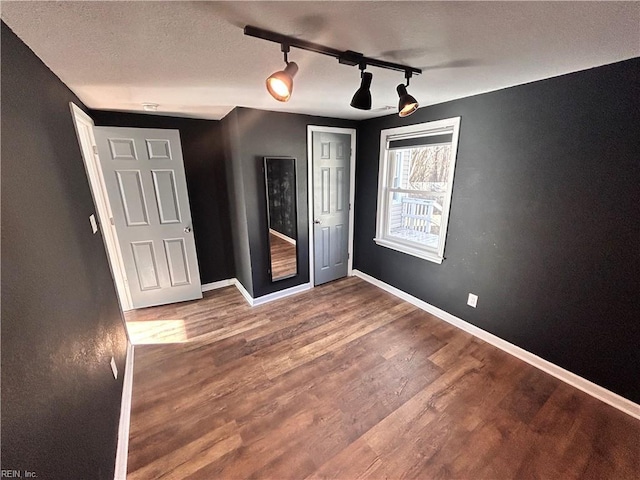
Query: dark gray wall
[203, 152]
[237, 201]
[261, 134]
[61, 322]
[544, 223]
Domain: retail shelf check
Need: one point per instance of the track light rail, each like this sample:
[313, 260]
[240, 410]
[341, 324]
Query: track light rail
[347, 57]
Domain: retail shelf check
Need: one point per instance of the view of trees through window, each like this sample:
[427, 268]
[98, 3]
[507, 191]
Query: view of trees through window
[429, 167]
[417, 188]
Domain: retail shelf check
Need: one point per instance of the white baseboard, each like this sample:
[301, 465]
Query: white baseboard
[281, 294]
[601, 393]
[215, 285]
[282, 236]
[125, 418]
[254, 302]
[243, 291]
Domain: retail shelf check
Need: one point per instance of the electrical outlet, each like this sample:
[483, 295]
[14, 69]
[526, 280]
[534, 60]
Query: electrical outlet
[472, 301]
[94, 224]
[114, 369]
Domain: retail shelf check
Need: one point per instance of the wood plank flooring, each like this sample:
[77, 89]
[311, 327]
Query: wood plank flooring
[347, 381]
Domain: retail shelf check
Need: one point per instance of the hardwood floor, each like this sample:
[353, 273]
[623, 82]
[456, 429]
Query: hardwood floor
[347, 381]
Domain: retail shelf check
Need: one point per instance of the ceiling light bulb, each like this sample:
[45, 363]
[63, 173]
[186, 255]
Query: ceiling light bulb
[279, 87]
[280, 84]
[406, 104]
[362, 98]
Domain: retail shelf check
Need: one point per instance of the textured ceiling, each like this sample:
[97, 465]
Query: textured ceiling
[193, 60]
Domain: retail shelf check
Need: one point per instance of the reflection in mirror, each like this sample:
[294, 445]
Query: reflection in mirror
[280, 178]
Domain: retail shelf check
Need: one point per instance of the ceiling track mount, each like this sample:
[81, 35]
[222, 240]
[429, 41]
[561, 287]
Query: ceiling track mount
[346, 57]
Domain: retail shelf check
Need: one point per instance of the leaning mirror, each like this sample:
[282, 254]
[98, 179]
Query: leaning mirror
[280, 179]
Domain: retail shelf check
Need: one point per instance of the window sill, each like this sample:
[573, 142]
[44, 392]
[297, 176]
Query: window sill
[416, 252]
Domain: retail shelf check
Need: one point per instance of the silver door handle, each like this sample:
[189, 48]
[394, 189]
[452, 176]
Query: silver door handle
[187, 229]
[317, 222]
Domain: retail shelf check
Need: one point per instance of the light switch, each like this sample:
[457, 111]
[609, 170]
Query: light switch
[472, 301]
[94, 224]
[114, 368]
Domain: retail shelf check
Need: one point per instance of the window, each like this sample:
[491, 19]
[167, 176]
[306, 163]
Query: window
[414, 187]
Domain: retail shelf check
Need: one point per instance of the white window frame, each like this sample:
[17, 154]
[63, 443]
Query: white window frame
[411, 131]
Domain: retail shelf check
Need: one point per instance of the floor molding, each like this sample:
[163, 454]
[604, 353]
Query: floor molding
[125, 417]
[601, 393]
[254, 302]
[247, 296]
[281, 294]
[282, 236]
[207, 287]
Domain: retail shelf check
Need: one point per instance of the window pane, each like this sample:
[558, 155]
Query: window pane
[415, 186]
[415, 217]
[422, 168]
[399, 170]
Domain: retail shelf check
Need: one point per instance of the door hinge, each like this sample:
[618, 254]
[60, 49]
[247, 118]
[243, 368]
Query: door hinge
[348, 256]
[349, 207]
[111, 220]
[95, 149]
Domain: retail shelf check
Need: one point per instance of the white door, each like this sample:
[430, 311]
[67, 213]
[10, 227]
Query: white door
[331, 171]
[143, 173]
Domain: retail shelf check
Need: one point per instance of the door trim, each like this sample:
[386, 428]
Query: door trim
[98, 191]
[352, 190]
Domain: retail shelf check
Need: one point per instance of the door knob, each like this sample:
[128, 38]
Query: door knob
[317, 222]
[187, 229]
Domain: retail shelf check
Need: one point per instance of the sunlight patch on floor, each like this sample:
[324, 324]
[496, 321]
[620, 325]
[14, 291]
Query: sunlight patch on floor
[152, 332]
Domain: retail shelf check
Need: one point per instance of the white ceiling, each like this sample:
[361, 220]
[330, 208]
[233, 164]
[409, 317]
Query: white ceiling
[193, 59]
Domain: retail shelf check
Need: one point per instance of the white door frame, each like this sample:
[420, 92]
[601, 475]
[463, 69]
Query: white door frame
[352, 191]
[98, 190]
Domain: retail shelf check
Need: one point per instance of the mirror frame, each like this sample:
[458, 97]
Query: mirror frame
[296, 212]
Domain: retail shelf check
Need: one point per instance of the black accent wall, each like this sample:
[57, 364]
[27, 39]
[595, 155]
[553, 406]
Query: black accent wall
[253, 135]
[61, 322]
[544, 224]
[237, 201]
[202, 150]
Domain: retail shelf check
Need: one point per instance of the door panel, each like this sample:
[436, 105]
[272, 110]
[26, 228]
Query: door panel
[144, 257]
[340, 197]
[331, 157]
[158, 149]
[325, 187]
[144, 176]
[132, 197]
[164, 186]
[340, 255]
[122, 149]
[325, 248]
[177, 260]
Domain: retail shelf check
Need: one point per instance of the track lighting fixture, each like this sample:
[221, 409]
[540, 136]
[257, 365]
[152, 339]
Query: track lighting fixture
[362, 98]
[280, 84]
[406, 103]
